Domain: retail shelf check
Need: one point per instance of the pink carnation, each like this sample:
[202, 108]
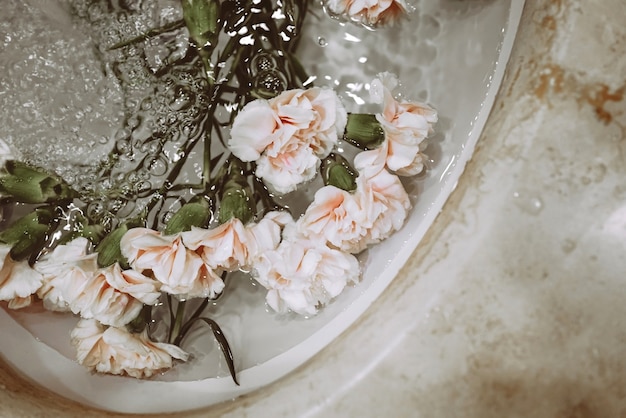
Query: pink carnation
[368, 12]
[406, 125]
[287, 135]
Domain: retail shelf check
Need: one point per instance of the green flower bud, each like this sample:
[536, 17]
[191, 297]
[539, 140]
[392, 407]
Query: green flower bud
[29, 233]
[28, 184]
[201, 18]
[196, 212]
[235, 196]
[140, 322]
[236, 203]
[109, 251]
[364, 131]
[336, 171]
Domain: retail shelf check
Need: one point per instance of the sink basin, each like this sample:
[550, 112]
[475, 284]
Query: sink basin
[512, 293]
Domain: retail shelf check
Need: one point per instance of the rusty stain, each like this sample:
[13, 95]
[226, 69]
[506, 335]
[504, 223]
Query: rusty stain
[553, 79]
[514, 81]
[598, 96]
[550, 79]
[548, 22]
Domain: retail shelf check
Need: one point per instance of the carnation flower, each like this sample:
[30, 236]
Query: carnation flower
[368, 12]
[406, 126]
[233, 245]
[114, 296]
[350, 221]
[381, 195]
[223, 247]
[288, 135]
[18, 281]
[303, 274]
[266, 234]
[336, 217]
[283, 169]
[180, 270]
[73, 282]
[116, 351]
[66, 271]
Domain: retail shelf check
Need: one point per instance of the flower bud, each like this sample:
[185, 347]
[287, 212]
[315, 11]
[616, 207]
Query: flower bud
[236, 203]
[140, 322]
[109, 251]
[336, 171]
[32, 185]
[201, 18]
[236, 198]
[364, 131]
[196, 212]
[29, 233]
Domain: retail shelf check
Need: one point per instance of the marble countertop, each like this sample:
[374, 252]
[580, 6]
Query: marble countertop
[513, 304]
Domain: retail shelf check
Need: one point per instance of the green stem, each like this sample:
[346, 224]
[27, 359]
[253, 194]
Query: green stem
[152, 32]
[176, 327]
[206, 163]
[187, 326]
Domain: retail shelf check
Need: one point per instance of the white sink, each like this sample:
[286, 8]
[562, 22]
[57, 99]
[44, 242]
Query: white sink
[511, 304]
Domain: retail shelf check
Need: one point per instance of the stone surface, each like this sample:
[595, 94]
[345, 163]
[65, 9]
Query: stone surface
[522, 273]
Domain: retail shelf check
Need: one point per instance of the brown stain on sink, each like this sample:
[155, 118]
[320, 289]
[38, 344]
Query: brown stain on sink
[551, 79]
[549, 22]
[598, 96]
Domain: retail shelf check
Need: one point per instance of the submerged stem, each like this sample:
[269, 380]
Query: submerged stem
[176, 327]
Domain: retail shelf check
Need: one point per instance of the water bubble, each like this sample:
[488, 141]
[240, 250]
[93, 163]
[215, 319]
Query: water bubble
[133, 122]
[132, 177]
[151, 148]
[165, 218]
[95, 210]
[157, 166]
[143, 188]
[183, 99]
[104, 185]
[116, 205]
[146, 104]
[143, 173]
[123, 146]
[126, 189]
[529, 204]
[321, 41]
[262, 62]
[269, 83]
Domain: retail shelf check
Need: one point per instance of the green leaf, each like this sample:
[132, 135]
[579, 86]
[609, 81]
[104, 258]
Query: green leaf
[224, 346]
[109, 251]
[194, 213]
[364, 131]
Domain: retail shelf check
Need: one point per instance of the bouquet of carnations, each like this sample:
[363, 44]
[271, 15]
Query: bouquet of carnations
[126, 260]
